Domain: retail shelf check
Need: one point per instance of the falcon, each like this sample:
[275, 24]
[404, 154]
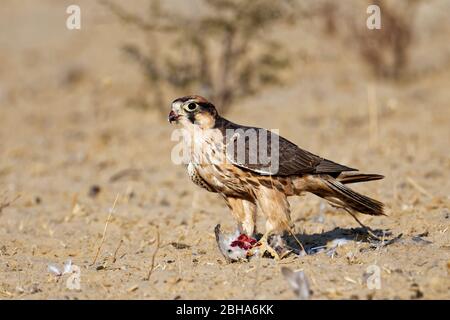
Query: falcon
[253, 168]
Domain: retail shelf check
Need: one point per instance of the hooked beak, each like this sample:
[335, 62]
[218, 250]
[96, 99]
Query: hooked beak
[173, 116]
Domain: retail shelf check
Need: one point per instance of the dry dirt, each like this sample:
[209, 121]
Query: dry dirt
[65, 127]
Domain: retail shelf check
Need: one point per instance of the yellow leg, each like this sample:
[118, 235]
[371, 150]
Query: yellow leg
[263, 246]
[275, 207]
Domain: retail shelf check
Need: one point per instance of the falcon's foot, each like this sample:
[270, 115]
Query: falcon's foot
[279, 245]
[273, 245]
[265, 247]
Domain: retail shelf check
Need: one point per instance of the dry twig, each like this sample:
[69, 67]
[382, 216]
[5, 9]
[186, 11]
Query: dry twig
[117, 250]
[152, 263]
[418, 187]
[111, 211]
[7, 203]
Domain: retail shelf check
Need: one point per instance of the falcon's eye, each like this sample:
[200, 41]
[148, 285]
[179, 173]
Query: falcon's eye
[191, 107]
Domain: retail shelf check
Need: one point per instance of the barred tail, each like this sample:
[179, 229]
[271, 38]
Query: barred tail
[354, 200]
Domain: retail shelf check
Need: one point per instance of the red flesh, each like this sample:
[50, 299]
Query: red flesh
[244, 242]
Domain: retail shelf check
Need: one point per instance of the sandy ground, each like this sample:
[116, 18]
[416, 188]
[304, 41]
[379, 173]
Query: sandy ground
[59, 138]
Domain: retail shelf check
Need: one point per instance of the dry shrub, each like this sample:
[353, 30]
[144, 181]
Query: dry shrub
[386, 51]
[223, 52]
[328, 11]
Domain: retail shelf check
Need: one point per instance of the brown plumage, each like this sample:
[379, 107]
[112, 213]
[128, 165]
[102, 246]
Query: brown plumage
[222, 160]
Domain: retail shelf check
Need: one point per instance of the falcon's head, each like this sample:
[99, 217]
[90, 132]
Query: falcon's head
[193, 110]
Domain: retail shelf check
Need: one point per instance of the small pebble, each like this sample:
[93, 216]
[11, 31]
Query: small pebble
[94, 190]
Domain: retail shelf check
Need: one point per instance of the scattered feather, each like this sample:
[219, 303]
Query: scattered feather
[420, 240]
[67, 268]
[298, 283]
[54, 270]
[338, 242]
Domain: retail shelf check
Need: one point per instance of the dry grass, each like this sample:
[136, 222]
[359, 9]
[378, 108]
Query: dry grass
[111, 211]
[5, 203]
[155, 251]
[387, 51]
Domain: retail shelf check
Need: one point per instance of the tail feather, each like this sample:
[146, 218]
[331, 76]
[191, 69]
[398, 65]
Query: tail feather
[347, 178]
[354, 200]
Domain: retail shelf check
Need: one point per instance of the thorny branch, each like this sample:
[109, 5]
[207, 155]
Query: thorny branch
[6, 203]
[220, 53]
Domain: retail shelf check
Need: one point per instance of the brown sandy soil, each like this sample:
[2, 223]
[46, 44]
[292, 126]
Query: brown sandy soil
[65, 126]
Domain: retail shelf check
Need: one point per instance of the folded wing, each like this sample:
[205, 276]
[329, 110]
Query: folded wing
[271, 154]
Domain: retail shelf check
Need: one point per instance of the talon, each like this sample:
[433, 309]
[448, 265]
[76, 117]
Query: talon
[264, 246]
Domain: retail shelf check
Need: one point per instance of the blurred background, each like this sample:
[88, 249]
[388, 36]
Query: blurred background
[83, 117]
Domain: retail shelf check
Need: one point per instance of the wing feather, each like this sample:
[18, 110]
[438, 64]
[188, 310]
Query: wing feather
[291, 160]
